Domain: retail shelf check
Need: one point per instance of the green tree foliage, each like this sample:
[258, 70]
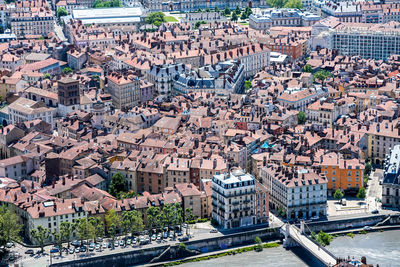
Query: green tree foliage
[234, 17]
[307, 68]
[117, 185]
[58, 240]
[132, 221]
[322, 238]
[154, 217]
[198, 23]
[276, 3]
[85, 229]
[155, 18]
[216, 9]
[208, 10]
[247, 85]
[9, 226]
[258, 241]
[66, 230]
[227, 11]
[322, 75]
[361, 193]
[301, 117]
[338, 194]
[129, 194]
[173, 214]
[237, 11]
[61, 11]
[67, 70]
[113, 223]
[98, 225]
[102, 4]
[40, 234]
[199, 10]
[293, 4]
[368, 168]
[46, 76]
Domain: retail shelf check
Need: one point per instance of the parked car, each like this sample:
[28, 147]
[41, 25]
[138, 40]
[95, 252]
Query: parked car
[92, 246]
[179, 233]
[171, 234]
[183, 239]
[77, 250]
[116, 243]
[122, 243]
[153, 237]
[375, 211]
[10, 244]
[165, 235]
[76, 243]
[104, 245]
[98, 246]
[71, 251]
[214, 231]
[367, 228]
[54, 250]
[128, 241]
[29, 252]
[109, 245]
[83, 249]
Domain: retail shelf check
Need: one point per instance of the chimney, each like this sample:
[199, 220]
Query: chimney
[215, 164]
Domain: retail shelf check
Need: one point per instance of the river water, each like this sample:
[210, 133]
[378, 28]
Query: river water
[277, 257]
[381, 248]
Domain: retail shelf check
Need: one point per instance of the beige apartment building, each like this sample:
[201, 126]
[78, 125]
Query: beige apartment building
[124, 90]
[32, 23]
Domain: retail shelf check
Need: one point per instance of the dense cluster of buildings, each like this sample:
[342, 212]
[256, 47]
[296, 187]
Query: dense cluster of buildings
[226, 119]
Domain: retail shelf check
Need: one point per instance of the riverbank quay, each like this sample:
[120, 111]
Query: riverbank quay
[144, 256]
[217, 254]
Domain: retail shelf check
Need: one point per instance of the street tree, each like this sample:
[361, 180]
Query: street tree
[132, 221]
[188, 216]
[41, 234]
[227, 11]
[98, 225]
[85, 230]
[58, 240]
[153, 217]
[61, 11]
[234, 17]
[338, 194]
[155, 18]
[9, 226]
[66, 230]
[361, 193]
[113, 223]
[237, 10]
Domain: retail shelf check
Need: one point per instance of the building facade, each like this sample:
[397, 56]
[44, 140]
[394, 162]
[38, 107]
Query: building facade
[296, 193]
[234, 199]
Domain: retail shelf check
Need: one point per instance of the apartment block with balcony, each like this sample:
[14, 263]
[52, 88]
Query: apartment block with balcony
[391, 182]
[295, 192]
[234, 199]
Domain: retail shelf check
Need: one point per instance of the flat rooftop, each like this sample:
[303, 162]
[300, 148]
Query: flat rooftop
[112, 14]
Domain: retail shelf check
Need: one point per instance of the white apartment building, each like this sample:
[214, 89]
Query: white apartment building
[297, 193]
[24, 109]
[234, 199]
[282, 17]
[323, 113]
[50, 215]
[163, 76]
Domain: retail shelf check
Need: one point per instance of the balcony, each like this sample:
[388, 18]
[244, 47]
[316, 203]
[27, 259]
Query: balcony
[235, 203]
[235, 210]
[246, 201]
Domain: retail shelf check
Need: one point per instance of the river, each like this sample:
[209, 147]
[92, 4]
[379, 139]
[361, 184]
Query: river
[379, 247]
[277, 257]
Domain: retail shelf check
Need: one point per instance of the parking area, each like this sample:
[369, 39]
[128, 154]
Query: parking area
[107, 246]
